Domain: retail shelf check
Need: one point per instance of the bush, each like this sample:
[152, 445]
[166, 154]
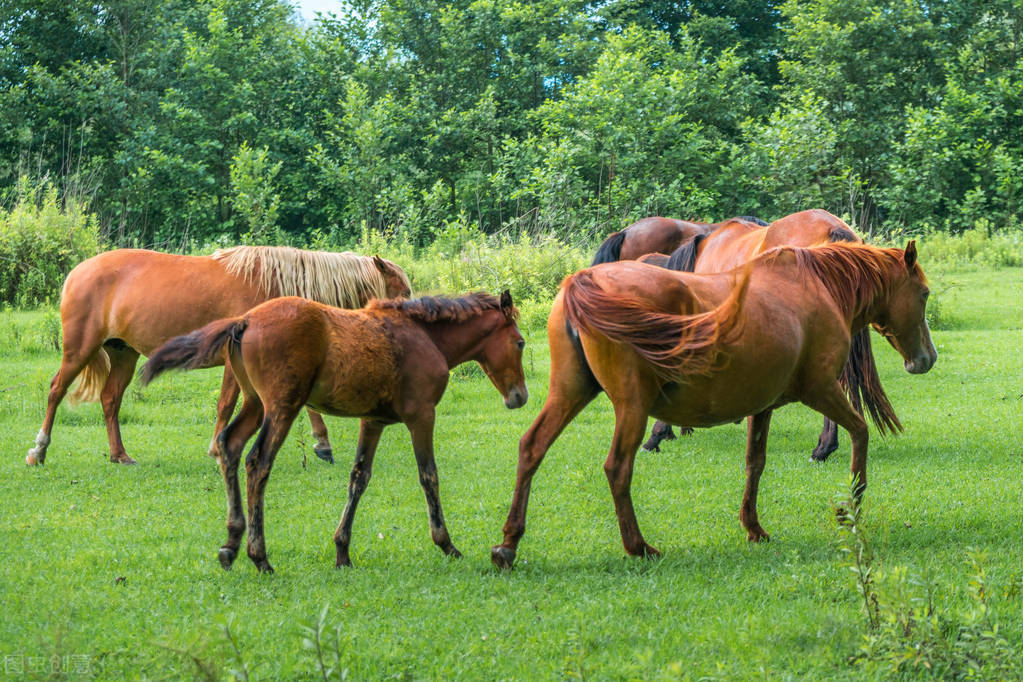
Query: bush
[978, 245]
[41, 239]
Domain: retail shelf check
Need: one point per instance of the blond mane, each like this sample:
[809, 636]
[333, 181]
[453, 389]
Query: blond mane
[346, 280]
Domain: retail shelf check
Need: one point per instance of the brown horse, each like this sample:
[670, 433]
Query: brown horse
[735, 242]
[654, 235]
[387, 363]
[121, 303]
[746, 342]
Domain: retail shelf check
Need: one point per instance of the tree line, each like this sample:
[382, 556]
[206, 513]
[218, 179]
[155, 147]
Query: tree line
[220, 119]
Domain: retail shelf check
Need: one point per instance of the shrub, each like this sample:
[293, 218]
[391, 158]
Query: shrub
[41, 239]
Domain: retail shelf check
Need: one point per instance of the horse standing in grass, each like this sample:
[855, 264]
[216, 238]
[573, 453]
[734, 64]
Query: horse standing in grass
[737, 241]
[121, 303]
[702, 350]
[387, 363]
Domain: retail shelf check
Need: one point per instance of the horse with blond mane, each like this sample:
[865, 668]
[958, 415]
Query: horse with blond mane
[127, 302]
[702, 350]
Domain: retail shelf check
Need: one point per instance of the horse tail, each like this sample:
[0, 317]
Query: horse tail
[675, 345]
[755, 220]
[610, 250]
[197, 350]
[842, 234]
[863, 385]
[92, 379]
[683, 259]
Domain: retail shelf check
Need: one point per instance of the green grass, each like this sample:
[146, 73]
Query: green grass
[118, 564]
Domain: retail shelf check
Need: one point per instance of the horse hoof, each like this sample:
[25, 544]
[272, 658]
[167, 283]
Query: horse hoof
[651, 552]
[123, 459]
[502, 557]
[453, 552]
[227, 557]
[651, 445]
[326, 454]
[33, 458]
[264, 567]
[757, 535]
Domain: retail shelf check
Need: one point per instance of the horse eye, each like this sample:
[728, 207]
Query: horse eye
[521, 343]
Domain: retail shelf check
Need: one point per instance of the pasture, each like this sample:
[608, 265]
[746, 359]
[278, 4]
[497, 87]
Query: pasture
[114, 568]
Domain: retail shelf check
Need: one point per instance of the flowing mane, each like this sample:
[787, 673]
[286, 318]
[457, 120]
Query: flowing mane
[851, 272]
[346, 280]
[440, 309]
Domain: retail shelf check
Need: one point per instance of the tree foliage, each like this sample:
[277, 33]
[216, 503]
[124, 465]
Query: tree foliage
[194, 121]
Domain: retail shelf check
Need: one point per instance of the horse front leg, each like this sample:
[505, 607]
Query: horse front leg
[228, 447]
[757, 428]
[362, 470]
[322, 448]
[832, 402]
[630, 423]
[421, 429]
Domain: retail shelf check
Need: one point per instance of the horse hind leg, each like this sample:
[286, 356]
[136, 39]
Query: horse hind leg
[658, 434]
[226, 401]
[572, 387]
[630, 423]
[826, 443]
[229, 444]
[277, 422]
[122, 366]
[322, 449]
[78, 354]
[757, 428]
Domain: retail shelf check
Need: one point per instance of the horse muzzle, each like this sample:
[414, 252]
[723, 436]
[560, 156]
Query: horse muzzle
[921, 363]
[517, 397]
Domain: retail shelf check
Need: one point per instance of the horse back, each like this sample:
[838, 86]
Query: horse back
[146, 297]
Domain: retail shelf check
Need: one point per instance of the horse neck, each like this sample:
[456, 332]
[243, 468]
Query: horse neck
[862, 303]
[462, 341]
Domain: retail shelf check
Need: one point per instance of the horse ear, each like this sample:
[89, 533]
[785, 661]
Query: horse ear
[506, 302]
[910, 254]
[380, 263]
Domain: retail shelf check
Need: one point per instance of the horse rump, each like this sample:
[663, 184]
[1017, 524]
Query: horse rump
[197, 350]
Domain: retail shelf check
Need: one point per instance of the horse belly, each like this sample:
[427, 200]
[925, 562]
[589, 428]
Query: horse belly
[356, 382]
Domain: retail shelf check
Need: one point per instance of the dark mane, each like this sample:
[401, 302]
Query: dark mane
[441, 309]
[851, 272]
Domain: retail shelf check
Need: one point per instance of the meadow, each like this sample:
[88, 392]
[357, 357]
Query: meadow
[110, 572]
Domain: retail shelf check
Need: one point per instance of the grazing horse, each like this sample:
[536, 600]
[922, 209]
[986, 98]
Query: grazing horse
[702, 350]
[386, 363]
[121, 303]
[654, 235]
[735, 242]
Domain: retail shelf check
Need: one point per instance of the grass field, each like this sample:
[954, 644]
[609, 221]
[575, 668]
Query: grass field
[113, 569]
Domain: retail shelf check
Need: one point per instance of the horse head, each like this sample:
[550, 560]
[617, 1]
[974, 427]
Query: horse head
[904, 322]
[396, 282]
[501, 357]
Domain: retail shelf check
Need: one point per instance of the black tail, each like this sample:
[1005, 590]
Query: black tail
[755, 220]
[611, 250]
[197, 350]
[842, 234]
[683, 259]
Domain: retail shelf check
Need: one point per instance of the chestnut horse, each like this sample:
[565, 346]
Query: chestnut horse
[653, 235]
[386, 363]
[121, 303]
[746, 342]
[735, 242]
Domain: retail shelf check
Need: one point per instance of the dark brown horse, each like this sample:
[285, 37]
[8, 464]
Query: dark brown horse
[387, 363]
[737, 241]
[121, 303]
[746, 342]
[654, 235]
